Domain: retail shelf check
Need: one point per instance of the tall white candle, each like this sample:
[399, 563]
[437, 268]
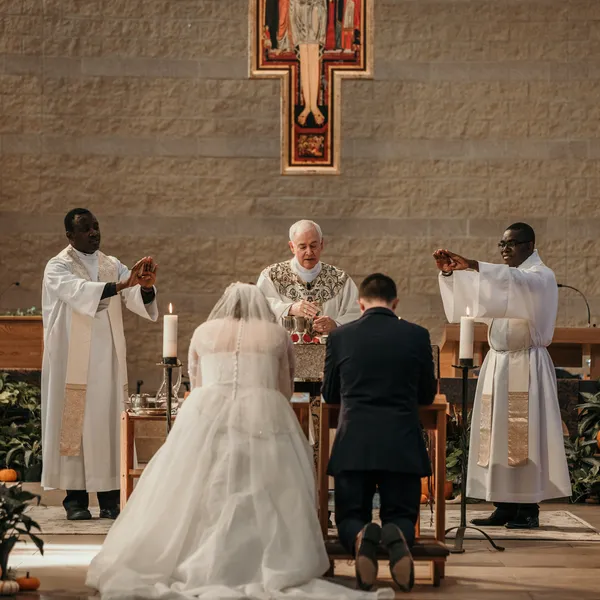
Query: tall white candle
[170, 334]
[467, 335]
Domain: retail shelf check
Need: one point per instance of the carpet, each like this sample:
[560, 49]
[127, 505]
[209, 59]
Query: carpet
[53, 521]
[555, 525]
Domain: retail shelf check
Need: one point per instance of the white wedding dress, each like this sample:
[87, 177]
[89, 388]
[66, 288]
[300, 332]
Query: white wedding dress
[227, 507]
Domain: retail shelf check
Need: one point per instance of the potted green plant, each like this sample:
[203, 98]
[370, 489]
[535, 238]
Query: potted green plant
[20, 428]
[14, 522]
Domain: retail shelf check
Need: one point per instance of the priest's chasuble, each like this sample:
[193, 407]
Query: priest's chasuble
[84, 371]
[332, 289]
[516, 451]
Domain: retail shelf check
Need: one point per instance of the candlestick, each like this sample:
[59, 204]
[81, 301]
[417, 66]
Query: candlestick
[170, 334]
[467, 334]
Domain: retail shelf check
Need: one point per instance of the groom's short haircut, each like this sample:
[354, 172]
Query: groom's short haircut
[378, 287]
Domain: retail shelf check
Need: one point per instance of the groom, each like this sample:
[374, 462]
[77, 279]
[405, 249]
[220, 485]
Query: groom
[380, 369]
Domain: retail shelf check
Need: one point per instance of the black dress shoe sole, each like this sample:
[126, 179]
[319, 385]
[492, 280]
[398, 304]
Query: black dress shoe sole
[366, 558]
[82, 515]
[402, 568]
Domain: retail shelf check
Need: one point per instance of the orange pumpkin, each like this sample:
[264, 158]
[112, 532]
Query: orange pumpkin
[598, 439]
[448, 490]
[8, 475]
[27, 583]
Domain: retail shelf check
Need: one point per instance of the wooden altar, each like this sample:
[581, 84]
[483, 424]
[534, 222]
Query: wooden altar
[572, 347]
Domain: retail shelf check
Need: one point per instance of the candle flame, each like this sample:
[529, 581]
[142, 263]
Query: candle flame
[170, 308]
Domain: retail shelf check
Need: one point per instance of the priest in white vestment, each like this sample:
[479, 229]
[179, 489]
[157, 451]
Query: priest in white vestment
[306, 287]
[516, 456]
[84, 371]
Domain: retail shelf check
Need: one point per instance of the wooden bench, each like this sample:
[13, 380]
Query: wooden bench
[426, 549]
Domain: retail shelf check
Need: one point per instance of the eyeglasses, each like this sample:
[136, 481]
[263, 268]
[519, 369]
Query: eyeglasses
[512, 244]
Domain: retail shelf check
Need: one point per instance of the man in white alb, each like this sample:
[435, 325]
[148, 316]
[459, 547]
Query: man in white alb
[306, 287]
[84, 372]
[516, 456]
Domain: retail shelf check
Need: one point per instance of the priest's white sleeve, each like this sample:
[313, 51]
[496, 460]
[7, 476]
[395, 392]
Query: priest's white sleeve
[279, 306]
[79, 294]
[349, 309]
[133, 297]
[497, 292]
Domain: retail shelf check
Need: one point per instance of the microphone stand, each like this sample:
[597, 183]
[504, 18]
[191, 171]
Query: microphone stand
[570, 287]
[466, 365]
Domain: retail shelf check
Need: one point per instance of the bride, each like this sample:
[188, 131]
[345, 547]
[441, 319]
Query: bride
[226, 508]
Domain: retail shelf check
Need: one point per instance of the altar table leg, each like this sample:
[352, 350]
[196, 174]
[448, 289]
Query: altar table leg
[127, 441]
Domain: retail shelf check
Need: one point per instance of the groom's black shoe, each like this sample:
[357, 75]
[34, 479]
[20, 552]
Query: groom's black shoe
[78, 514]
[523, 522]
[498, 518]
[109, 513]
[367, 542]
[402, 567]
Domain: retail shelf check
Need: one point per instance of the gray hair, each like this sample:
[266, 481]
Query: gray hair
[302, 226]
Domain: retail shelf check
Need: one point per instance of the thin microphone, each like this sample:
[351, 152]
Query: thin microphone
[15, 283]
[561, 285]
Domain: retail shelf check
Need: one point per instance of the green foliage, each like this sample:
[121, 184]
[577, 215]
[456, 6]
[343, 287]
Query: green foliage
[20, 425]
[589, 416]
[582, 450]
[15, 523]
[27, 312]
[454, 453]
[584, 468]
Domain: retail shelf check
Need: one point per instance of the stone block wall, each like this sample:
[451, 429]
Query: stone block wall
[481, 113]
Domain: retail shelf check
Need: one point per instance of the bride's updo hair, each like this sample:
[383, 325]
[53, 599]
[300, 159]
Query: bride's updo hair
[242, 301]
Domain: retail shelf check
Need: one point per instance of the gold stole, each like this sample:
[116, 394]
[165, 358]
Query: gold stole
[518, 398]
[80, 342]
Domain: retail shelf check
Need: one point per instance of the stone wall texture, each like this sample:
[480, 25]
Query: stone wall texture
[480, 113]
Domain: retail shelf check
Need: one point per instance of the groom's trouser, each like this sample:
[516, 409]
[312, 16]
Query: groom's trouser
[400, 495]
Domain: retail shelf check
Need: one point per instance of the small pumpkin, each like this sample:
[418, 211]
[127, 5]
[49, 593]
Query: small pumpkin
[8, 475]
[8, 587]
[27, 583]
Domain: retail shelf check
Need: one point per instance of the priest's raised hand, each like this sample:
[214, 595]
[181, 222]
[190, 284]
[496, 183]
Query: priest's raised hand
[142, 273]
[447, 262]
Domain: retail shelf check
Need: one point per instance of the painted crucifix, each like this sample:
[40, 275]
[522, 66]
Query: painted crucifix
[311, 45]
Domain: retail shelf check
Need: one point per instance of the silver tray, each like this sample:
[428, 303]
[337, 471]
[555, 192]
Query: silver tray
[150, 412]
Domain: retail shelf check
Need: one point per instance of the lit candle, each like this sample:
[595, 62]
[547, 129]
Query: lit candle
[170, 334]
[467, 334]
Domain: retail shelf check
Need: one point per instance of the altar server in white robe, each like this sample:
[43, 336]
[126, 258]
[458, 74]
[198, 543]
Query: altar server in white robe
[516, 456]
[306, 287]
[84, 371]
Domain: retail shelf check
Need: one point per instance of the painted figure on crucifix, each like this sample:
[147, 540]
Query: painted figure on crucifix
[309, 27]
[313, 44]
